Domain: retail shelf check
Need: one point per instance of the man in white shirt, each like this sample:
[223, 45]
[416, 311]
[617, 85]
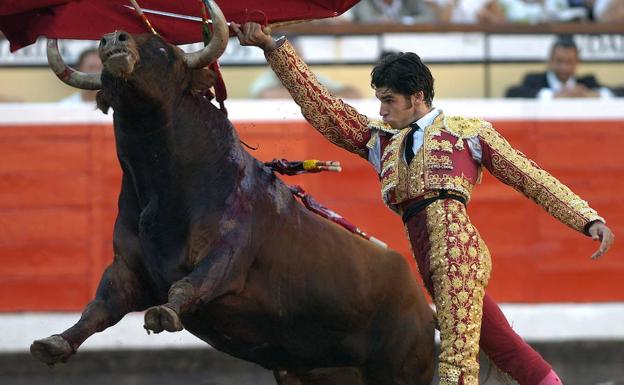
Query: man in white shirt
[560, 80]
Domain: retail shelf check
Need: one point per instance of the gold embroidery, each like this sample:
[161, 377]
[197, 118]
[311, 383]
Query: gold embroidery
[441, 181]
[462, 128]
[435, 129]
[416, 174]
[514, 169]
[334, 119]
[440, 145]
[449, 182]
[381, 126]
[390, 168]
[459, 271]
[401, 182]
[401, 191]
[371, 142]
[437, 162]
[449, 375]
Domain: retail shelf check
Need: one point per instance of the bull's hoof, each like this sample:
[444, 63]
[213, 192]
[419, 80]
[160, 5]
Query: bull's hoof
[159, 318]
[51, 350]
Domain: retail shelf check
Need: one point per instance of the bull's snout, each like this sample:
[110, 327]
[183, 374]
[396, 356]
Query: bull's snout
[119, 53]
[114, 38]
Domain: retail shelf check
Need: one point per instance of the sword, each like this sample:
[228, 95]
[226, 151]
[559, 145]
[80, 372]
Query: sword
[266, 29]
[174, 15]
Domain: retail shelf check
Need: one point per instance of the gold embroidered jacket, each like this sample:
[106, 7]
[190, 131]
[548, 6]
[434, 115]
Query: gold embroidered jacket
[444, 161]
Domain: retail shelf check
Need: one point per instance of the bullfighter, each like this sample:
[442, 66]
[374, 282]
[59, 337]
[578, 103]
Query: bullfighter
[428, 164]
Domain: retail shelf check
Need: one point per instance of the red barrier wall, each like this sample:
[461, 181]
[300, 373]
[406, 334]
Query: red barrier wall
[59, 185]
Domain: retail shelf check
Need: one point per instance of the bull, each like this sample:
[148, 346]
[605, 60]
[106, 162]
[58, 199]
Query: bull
[210, 240]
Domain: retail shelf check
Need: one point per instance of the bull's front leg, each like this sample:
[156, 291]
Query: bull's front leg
[223, 269]
[120, 291]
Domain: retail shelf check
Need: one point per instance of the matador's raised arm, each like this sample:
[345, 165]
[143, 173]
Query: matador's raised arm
[329, 115]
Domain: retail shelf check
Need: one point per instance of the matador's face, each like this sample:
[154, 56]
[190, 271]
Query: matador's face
[396, 109]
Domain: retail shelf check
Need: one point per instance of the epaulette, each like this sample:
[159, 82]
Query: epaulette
[378, 124]
[463, 128]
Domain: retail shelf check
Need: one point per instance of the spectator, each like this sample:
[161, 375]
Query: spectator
[565, 11]
[618, 91]
[520, 11]
[88, 61]
[524, 12]
[560, 80]
[468, 11]
[506, 11]
[609, 11]
[392, 11]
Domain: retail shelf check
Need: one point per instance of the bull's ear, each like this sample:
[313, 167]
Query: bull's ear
[101, 102]
[202, 79]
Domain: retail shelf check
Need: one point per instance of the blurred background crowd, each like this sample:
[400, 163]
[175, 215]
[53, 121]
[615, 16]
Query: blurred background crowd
[560, 72]
[486, 11]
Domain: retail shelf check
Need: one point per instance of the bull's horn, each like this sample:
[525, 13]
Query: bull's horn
[217, 44]
[69, 75]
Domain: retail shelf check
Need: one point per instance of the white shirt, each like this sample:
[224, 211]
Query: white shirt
[464, 11]
[423, 122]
[555, 85]
[390, 11]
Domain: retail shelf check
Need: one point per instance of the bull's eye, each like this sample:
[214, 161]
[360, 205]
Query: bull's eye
[163, 51]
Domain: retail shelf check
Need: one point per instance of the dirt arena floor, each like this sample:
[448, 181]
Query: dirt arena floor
[578, 363]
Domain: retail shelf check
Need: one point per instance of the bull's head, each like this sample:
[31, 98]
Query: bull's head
[120, 53]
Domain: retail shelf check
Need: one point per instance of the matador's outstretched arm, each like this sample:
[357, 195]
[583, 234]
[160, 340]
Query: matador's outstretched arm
[516, 170]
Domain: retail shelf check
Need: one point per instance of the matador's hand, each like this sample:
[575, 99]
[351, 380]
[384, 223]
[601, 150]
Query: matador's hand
[253, 34]
[600, 231]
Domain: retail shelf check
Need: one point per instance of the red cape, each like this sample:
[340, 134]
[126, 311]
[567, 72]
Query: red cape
[22, 21]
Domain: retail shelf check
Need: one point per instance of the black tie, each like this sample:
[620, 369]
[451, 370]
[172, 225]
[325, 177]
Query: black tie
[409, 143]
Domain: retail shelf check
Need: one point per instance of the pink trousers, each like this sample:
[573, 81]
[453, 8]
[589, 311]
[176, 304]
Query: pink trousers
[445, 244]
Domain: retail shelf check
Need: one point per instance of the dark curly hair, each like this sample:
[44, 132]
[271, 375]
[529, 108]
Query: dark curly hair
[405, 73]
[563, 41]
